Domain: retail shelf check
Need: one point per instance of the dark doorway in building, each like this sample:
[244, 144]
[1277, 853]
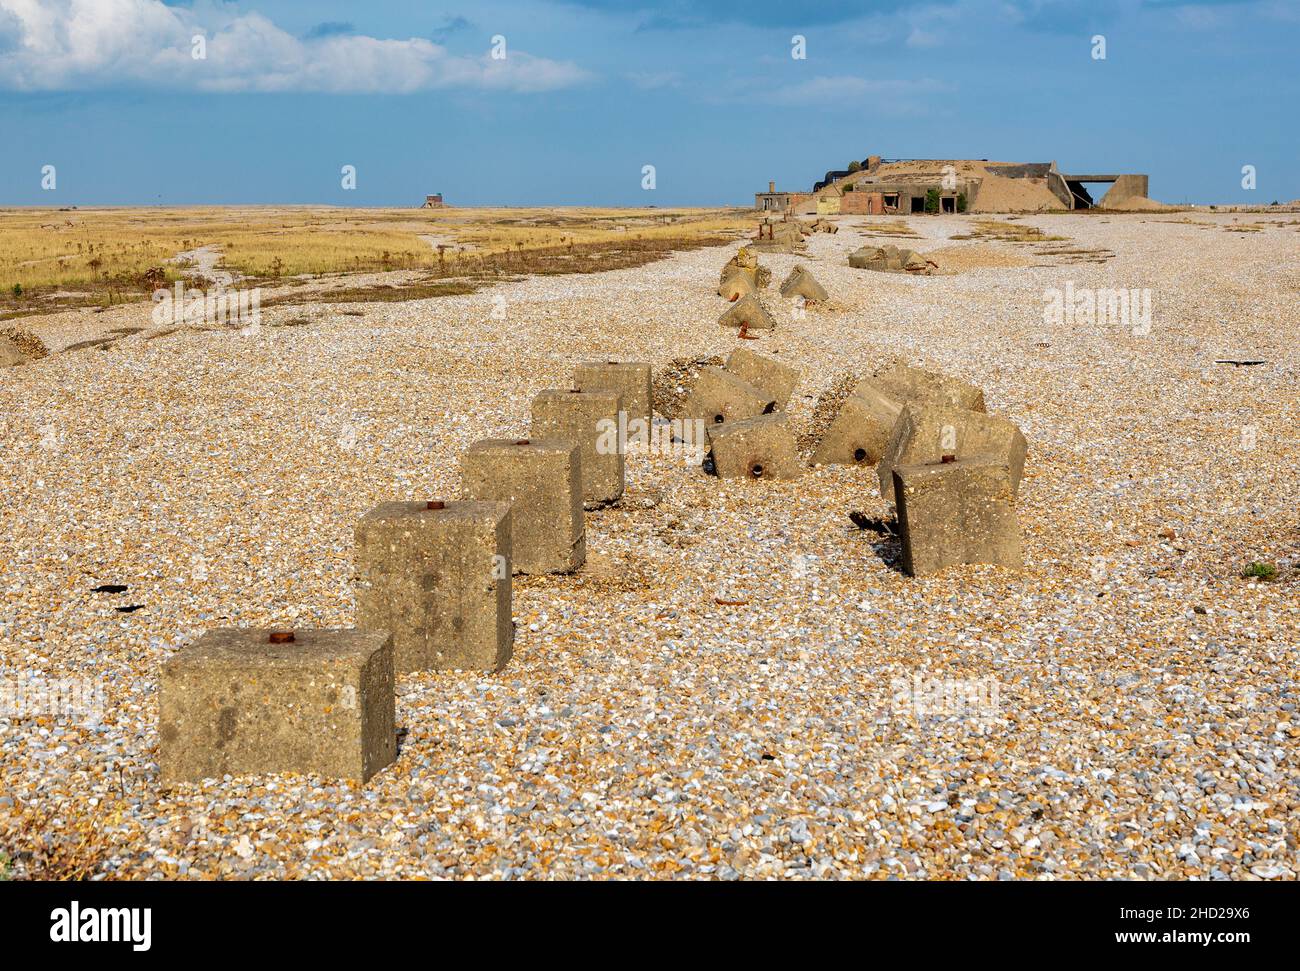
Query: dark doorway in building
[918, 204]
[948, 204]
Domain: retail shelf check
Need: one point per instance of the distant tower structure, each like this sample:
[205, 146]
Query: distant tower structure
[433, 202]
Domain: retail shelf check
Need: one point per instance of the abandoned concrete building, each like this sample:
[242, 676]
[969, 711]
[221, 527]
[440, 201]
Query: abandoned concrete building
[903, 186]
[433, 202]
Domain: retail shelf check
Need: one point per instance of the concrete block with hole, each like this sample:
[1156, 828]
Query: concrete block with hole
[630, 379]
[436, 575]
[719, 396]
[952, 513]
[748, 312]
[906, 383]
[801, 283]
[926, 432]
[542, 481]
[770, 376]
[860, 432]
[755, 448]
[585, 418]
[251, 702]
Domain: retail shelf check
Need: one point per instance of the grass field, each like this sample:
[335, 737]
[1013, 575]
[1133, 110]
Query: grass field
[57, 258]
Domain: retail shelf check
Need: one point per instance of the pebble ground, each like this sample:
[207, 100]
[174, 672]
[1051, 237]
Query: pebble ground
[740, 683]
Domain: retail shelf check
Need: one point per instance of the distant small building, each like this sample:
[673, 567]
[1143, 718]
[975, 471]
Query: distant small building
[433, 201]
[773, 201]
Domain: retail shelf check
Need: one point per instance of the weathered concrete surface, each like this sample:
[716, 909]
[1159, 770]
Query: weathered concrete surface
[926, 432]
[630, 379]
[542, 481]
[232, 703]
[437, 579]
[774, 378]
[861, 431]
[952, 513]
[906, 383]
[802, 283]
[577, 416]
[719, 396]
[737, 285]
[755, 448]
[748, 312]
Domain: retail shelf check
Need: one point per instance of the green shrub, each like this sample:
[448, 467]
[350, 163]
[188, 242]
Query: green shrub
[855, 166]
[961, 202]
[18, 289]
[932, 200]
[1260, 571]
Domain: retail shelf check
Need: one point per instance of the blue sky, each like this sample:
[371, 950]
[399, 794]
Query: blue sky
[588, 92]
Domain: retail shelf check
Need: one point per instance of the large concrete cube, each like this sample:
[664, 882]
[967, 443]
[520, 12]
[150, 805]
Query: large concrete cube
[247, 702]
[950, 513]
[860, 432]
[720, 396]
[755, 448]
[436, 575]
[585, 418]
[630, 379]
[748, 312]
[906, 384]
[926, 432]
[772, 377]
[542, 481]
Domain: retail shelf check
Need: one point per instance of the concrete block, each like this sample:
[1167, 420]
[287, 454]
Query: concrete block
[576, 416]
[720, 396]
[860, 432]
[950, 513]
[755, 448]
[542, 481]
[249, 702]
[906, 383]
[801, 283]
[630, 379]
[926, 432]
[773, 378]
[748, 312]
[436, 575]
[738, 284]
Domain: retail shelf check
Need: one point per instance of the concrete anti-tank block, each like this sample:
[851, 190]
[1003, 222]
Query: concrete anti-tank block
[580, 417]
[542, 481]
[630, 379]
[771, 377]
[801, 283]
[748, 312]
[906, 383]
[436, 575]
[860, 432]
[249, 702]
[719, 396]
[958, 512]
[755, 448]
[926, 432]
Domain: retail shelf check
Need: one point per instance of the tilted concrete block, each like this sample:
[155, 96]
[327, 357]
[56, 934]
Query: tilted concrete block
[748, 312]
[801, 283]
[720, 396]
[577, 416]
[755, 448]
[773, 378]
[906, 383]
[950, 513]
[248, 702]
[436, 575]
[860, 432]
[630, 379]
[542, 481]
[926, 432]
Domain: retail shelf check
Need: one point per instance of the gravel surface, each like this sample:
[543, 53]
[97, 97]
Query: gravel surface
[740, 683]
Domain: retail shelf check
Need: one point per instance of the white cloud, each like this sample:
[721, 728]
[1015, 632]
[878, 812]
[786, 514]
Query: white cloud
[69, 44]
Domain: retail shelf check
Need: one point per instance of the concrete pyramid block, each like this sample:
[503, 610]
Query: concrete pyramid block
[749, 312]
[801, 283]
[737, 285]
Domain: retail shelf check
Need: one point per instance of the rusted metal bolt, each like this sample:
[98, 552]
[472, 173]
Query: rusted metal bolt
[281, 637]
[435, 504]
